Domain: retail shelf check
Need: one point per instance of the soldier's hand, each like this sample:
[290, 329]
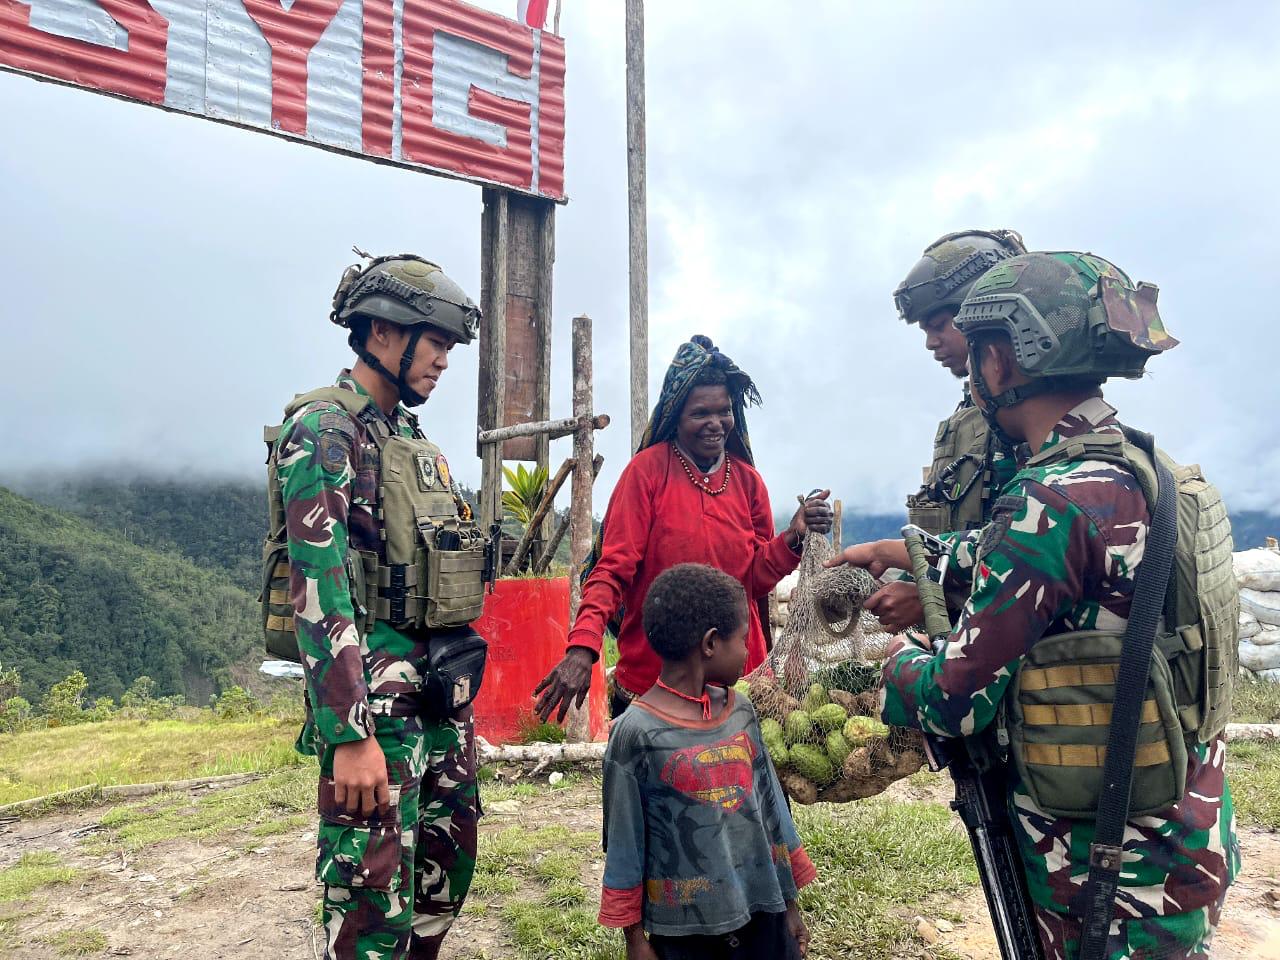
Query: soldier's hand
[875, 557]
[570, 680]
[360, 777]
[897, 605]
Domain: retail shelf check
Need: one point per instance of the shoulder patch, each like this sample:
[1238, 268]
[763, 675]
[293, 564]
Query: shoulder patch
[335, 449]
[1002, 513]
[331, 420]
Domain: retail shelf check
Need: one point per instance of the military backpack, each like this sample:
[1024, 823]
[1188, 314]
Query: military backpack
[1061, 700]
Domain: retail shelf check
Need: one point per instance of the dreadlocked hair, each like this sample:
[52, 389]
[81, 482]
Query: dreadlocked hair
[687, 600]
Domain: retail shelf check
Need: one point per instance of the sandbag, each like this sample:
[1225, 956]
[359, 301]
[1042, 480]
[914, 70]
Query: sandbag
[1258, 658]
[1249, 626]
[1265, 606]
[1257, 569]
[1271, 676]
[1266, 636]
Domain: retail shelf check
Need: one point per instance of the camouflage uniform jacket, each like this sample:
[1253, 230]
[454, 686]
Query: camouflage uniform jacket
[329, 467]
[1059, 556]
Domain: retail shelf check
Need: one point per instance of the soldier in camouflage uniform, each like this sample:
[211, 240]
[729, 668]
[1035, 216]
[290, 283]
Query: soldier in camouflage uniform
[1060, 556]
[398, 797]
[970, 462]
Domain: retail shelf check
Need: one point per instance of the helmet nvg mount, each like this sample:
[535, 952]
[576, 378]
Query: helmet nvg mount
[948, 268]
[410, 292]
[1073, 320]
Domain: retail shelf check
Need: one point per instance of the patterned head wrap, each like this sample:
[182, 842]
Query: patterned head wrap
[693, 358]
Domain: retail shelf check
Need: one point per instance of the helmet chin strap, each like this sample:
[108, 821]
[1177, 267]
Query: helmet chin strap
[408, 396]
[991, 402]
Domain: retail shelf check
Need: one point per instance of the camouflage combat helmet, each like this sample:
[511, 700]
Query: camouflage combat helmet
[409, 291]
[1073, 319]
[948, 268]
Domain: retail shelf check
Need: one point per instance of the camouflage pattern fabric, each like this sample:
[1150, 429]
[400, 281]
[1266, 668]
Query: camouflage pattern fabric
[1182, 936]
[1059, 555]
[394, 884]
[328, 466]
[384, 880]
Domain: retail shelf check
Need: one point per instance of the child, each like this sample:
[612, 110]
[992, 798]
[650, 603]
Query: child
[701, 851]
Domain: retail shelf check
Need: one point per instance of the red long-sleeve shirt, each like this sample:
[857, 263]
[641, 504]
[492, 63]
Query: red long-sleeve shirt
[656, 519]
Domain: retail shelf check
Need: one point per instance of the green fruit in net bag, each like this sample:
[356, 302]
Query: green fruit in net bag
[812, 763]
[858, 730]
[799, 727]
[829, 717]
[837, 747]
[815, 697]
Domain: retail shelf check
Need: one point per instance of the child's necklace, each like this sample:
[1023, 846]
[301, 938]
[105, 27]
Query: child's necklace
[705, 699]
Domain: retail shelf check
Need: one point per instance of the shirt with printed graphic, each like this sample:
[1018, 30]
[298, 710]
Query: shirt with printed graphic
[697, 833]
[328, 466]
[1064, 559]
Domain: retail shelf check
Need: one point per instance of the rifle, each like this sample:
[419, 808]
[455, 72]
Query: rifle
[980, 781]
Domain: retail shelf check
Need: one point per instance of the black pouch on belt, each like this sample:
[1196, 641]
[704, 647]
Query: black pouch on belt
[454, 670]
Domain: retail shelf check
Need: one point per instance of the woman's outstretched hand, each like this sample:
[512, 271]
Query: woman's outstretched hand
[568, 681]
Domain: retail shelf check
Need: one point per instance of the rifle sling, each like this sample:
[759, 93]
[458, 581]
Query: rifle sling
[1106, 851]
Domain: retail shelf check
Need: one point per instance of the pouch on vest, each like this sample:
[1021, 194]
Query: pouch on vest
[435, 561]
[952, 495]
[454, 670]
[1202, 609]
[1059, 719]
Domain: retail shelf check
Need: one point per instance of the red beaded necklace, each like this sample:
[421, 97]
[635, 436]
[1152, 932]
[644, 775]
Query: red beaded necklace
[705, 699]
[704, 484]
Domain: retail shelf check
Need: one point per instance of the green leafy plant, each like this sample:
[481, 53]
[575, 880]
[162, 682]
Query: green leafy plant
[527, 487]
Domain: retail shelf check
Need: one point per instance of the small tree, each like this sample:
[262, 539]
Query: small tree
[527, 487]
[63, 705]
[15, 715]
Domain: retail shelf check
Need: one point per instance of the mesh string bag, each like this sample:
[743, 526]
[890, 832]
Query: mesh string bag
[817, 692]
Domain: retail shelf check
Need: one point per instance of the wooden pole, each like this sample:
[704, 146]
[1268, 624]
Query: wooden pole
[638, 234]
[837, 525]
[550, 429]
[577, 725]
[553, 544]
[493, 350]
[545, 270]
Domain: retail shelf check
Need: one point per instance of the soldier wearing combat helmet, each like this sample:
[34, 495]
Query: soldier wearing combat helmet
[373, 571]
[969, 463]
[1076, 644]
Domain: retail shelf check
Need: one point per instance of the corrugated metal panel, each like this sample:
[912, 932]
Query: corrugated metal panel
[428, 84]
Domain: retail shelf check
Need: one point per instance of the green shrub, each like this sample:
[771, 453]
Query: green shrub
[16, 715]
[236, 703]
[63, 705]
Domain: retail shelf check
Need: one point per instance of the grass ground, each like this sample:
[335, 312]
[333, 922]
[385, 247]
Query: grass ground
[41, 762]
[880, 861]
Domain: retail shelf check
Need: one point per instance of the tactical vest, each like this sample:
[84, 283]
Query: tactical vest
[434, 573]
[1058, 711]
[957, 484]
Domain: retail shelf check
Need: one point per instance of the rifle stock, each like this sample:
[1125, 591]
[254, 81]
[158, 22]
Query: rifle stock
[981, 798]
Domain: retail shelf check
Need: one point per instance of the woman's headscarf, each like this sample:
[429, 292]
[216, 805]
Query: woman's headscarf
[693, 358]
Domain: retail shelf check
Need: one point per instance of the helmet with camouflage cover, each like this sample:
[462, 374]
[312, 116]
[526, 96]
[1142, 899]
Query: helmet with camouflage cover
[408, 291]
[1073, 319]
[948, 268]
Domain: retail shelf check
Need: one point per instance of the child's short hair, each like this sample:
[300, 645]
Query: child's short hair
[687, 600]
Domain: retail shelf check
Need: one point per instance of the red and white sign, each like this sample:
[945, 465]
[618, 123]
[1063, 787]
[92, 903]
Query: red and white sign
[426, 84]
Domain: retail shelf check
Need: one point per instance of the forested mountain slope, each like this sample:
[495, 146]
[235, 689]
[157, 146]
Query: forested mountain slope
[74, 596]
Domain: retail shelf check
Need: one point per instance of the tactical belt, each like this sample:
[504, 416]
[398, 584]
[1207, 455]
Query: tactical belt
[1106, 853]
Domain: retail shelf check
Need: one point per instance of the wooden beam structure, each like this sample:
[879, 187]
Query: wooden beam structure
[637, 222]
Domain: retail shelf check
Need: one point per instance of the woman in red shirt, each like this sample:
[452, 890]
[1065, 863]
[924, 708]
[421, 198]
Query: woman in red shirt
[691, 494]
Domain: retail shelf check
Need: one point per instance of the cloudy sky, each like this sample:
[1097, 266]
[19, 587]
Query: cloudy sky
[167, 280]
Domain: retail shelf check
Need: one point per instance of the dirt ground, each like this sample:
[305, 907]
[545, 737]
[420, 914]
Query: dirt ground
[239, 897]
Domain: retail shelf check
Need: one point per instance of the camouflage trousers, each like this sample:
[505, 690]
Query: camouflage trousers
[394, 884]
[1178, 936]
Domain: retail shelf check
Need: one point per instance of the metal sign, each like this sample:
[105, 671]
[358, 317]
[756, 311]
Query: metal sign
[434, 85]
